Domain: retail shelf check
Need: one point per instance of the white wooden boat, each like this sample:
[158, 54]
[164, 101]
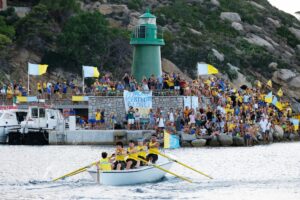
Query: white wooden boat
[141, 175]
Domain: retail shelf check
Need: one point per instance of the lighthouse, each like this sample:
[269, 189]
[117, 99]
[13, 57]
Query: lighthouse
[146, 48]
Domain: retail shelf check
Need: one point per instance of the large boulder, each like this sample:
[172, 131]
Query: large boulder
[275, 22]
[186, 144]
[238, 141]
[292, 136]
[218, 55]
[296, 32]
[199, 143]
[271, 139]
[283, 74]
[213, 142]
[231, 16]
[225, 140]
[170, 67]
[278, 133]
[295, 82]
[256, 5]
[188, 137]
[255, 39]
[241, 78]
[237, 26]
[298, 47]
[215, 2]
[107, 9]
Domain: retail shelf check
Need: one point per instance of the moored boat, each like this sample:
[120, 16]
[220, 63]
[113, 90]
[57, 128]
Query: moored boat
[145, 174]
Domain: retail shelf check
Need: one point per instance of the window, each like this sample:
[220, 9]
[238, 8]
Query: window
[142, 32]
[34, 112]
[42, 112]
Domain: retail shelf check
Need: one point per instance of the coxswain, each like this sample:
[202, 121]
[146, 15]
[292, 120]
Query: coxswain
[132, 152]
[104, 163]
[142, 152]
[153, 146]
[120, 155]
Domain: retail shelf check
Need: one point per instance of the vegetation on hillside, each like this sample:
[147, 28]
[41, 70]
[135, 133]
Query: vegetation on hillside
[64, 36]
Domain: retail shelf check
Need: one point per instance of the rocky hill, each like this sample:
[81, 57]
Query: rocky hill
[246, 40]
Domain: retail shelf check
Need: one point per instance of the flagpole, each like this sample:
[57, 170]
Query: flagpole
[82, 80]
[28, 84]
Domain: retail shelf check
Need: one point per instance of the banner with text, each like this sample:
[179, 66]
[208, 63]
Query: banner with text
[140, 100]
[191, 102]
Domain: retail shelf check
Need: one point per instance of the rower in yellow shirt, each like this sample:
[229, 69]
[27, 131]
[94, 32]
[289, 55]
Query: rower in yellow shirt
[104, 163]
[132, 152]
[153, 146]
[120, 155]
[142, 152]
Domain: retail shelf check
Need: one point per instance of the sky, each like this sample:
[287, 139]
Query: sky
[289, 6]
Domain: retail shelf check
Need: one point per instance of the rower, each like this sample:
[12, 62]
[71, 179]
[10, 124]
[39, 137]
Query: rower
[120, 155]
[132, 151]
[153, 145]
[104, 163]
[142, 152]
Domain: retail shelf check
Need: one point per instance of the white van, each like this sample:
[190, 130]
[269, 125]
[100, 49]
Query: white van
[10, 119]
[39, 118]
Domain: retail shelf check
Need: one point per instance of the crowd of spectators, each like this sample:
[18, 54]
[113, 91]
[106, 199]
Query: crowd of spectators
[239, 112]
[167, 84]
[235, 111]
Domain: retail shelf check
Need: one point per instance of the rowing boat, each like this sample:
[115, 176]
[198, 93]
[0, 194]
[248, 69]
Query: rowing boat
[145, 174]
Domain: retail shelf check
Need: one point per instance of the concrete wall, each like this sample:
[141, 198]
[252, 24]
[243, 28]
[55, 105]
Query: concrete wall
[96, 137]
[116, 105]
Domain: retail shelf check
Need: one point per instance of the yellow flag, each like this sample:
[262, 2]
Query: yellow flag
[269, 83]
[258, 84]
[280, 92]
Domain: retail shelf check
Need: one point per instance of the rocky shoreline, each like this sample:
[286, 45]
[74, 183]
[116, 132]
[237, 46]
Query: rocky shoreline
[276, 135]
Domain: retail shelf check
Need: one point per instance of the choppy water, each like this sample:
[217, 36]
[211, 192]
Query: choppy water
[260, 172]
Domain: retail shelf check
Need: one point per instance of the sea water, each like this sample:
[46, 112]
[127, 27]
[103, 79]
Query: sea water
[260, 172]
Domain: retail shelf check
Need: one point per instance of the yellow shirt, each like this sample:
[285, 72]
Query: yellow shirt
[120, 155]
[142, 151]
[39, 87]
[98, 116]
[132, 153]
[152, 146]
[105, 165]
[170, 82]
[231, 127]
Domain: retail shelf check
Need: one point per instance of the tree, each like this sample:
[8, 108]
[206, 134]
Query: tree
[37, 30]
[61, 10]
[4, 41]
[87, 39]
[6, 30]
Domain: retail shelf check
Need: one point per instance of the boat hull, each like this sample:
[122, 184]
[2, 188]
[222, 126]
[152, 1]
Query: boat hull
[145, 174]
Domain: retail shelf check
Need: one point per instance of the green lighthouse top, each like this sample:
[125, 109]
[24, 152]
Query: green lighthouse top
[147, 14]
[145, 32]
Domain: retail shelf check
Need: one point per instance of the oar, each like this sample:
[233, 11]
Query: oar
[191, 168]
[74, 173]
[82, 169]
[165, 170]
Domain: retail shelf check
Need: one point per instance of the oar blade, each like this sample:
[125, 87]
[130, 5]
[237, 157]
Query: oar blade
[165, 170]
[80, 170]
[191, 168]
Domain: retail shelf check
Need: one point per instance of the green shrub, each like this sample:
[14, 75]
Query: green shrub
[290, 38]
